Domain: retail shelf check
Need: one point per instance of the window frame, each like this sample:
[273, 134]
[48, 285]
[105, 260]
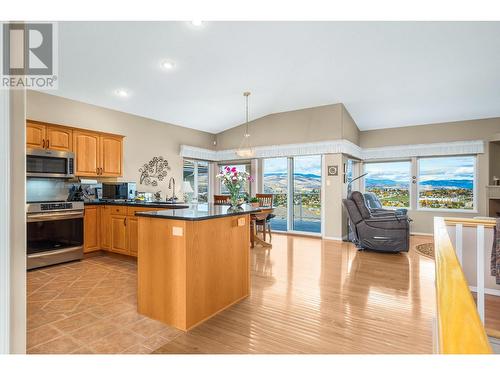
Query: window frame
[195, 186]
[246, 163]
[458, 210]
[411, 192]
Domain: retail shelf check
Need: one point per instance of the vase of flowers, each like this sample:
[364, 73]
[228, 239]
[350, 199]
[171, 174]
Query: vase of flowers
[234, 181]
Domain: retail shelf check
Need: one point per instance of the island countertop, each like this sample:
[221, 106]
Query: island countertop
[200, 211]
[165, 205]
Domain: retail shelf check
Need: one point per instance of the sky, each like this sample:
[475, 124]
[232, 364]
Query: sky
[449, 168]
[457, 168]
[395, 171]
[302, 164]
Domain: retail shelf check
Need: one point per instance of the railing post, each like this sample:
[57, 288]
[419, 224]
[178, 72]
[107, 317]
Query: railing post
[459, 242]
[480, 271]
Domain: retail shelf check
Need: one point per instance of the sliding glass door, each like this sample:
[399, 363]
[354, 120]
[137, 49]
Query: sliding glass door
[275, 181]
[298, 177]
[306, 210]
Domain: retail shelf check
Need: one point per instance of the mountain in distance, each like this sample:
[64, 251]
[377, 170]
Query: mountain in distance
[278, 181]
[285, 175]
[446, 184]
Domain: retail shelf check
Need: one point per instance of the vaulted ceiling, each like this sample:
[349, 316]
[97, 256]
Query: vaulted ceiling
[387, 74]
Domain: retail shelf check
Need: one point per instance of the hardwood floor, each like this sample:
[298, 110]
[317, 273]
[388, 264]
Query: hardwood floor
[315, 296]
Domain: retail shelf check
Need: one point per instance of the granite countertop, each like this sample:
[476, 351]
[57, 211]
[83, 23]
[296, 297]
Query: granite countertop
[201, 211]
[164, 204]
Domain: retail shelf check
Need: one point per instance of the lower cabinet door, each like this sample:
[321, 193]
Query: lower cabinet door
[119, 234]
[91, 229]
[133, 235]
[105, 227]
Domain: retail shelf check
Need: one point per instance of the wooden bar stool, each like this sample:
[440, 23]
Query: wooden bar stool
[265, 200]
[221, 199]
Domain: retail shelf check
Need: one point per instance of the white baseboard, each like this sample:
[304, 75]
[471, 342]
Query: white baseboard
[332, 238]
[493, 292]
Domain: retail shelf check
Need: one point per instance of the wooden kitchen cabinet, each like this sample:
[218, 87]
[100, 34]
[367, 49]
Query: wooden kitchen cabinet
[59, 138]
[35, 135]
[96, 154]
[113, 228]
[91, 229]
[119, 234]
[105, 227]
[86, 147]
[133, 235]
[50, 137]
[110, 155]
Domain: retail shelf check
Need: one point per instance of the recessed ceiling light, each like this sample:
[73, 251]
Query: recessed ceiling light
[197, 23]
[122, 93]
[167, 64]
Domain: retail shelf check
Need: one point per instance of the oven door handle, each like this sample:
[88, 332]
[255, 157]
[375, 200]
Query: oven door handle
[53, 216]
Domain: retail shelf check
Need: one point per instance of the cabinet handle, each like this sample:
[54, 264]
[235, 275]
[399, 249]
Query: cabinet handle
[125, 221]
[43, 143]
[48, 143]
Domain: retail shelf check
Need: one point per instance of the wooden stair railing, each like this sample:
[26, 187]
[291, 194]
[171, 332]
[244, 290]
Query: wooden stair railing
[459, 328]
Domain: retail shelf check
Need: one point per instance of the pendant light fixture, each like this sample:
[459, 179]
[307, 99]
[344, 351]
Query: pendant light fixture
[245, 150]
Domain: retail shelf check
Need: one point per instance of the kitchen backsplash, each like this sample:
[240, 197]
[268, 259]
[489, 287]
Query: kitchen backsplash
[50, 189]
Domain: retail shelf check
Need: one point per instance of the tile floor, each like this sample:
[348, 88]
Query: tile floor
[90, 307]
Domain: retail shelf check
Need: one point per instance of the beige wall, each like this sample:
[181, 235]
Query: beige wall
[350, 130]
[334, 190]
[305, 125]
[445, 132]
[144, 138]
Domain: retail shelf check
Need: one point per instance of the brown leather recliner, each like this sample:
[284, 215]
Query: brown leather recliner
[389, 233]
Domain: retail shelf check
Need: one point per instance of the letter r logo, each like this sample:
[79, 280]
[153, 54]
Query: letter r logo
[28, 49]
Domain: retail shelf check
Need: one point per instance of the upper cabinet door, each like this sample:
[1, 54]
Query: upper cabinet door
[111, 151]
[59, 138]
[35, 135]
[86, 148]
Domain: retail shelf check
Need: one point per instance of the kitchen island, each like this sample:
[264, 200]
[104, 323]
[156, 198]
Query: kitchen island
[192, 262]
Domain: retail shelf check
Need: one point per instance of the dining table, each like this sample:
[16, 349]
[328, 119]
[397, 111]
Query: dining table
[254, 217]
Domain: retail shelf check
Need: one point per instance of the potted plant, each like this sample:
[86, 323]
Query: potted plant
[254, 202]
[234, 181]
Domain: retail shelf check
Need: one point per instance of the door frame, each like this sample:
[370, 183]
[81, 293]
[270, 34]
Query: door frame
[290, 195]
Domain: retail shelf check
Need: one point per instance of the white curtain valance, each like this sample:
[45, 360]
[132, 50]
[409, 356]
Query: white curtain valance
[340, 147]
[429, 149]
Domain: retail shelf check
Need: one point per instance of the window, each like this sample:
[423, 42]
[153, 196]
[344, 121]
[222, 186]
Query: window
[241, 168]
[390, 181]
[446, 182]
[195, 181]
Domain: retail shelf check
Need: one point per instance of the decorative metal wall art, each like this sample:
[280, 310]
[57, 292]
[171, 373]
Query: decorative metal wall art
[154, 171]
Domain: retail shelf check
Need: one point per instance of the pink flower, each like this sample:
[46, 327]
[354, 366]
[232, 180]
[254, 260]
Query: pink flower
[227, 168]
[233, 169]
[250, 178]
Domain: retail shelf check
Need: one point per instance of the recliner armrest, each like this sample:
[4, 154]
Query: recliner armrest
[388, 222]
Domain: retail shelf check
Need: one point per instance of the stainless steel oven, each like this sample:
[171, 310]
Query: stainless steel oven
[54, 233]
[49, 163]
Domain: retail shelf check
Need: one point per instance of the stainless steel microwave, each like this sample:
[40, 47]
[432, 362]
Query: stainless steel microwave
[49, 163]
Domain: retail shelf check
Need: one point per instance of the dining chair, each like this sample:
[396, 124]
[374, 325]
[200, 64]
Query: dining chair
[221, 199]
[265, 200]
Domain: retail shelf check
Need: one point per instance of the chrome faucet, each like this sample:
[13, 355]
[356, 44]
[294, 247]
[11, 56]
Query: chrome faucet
[171, 183]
